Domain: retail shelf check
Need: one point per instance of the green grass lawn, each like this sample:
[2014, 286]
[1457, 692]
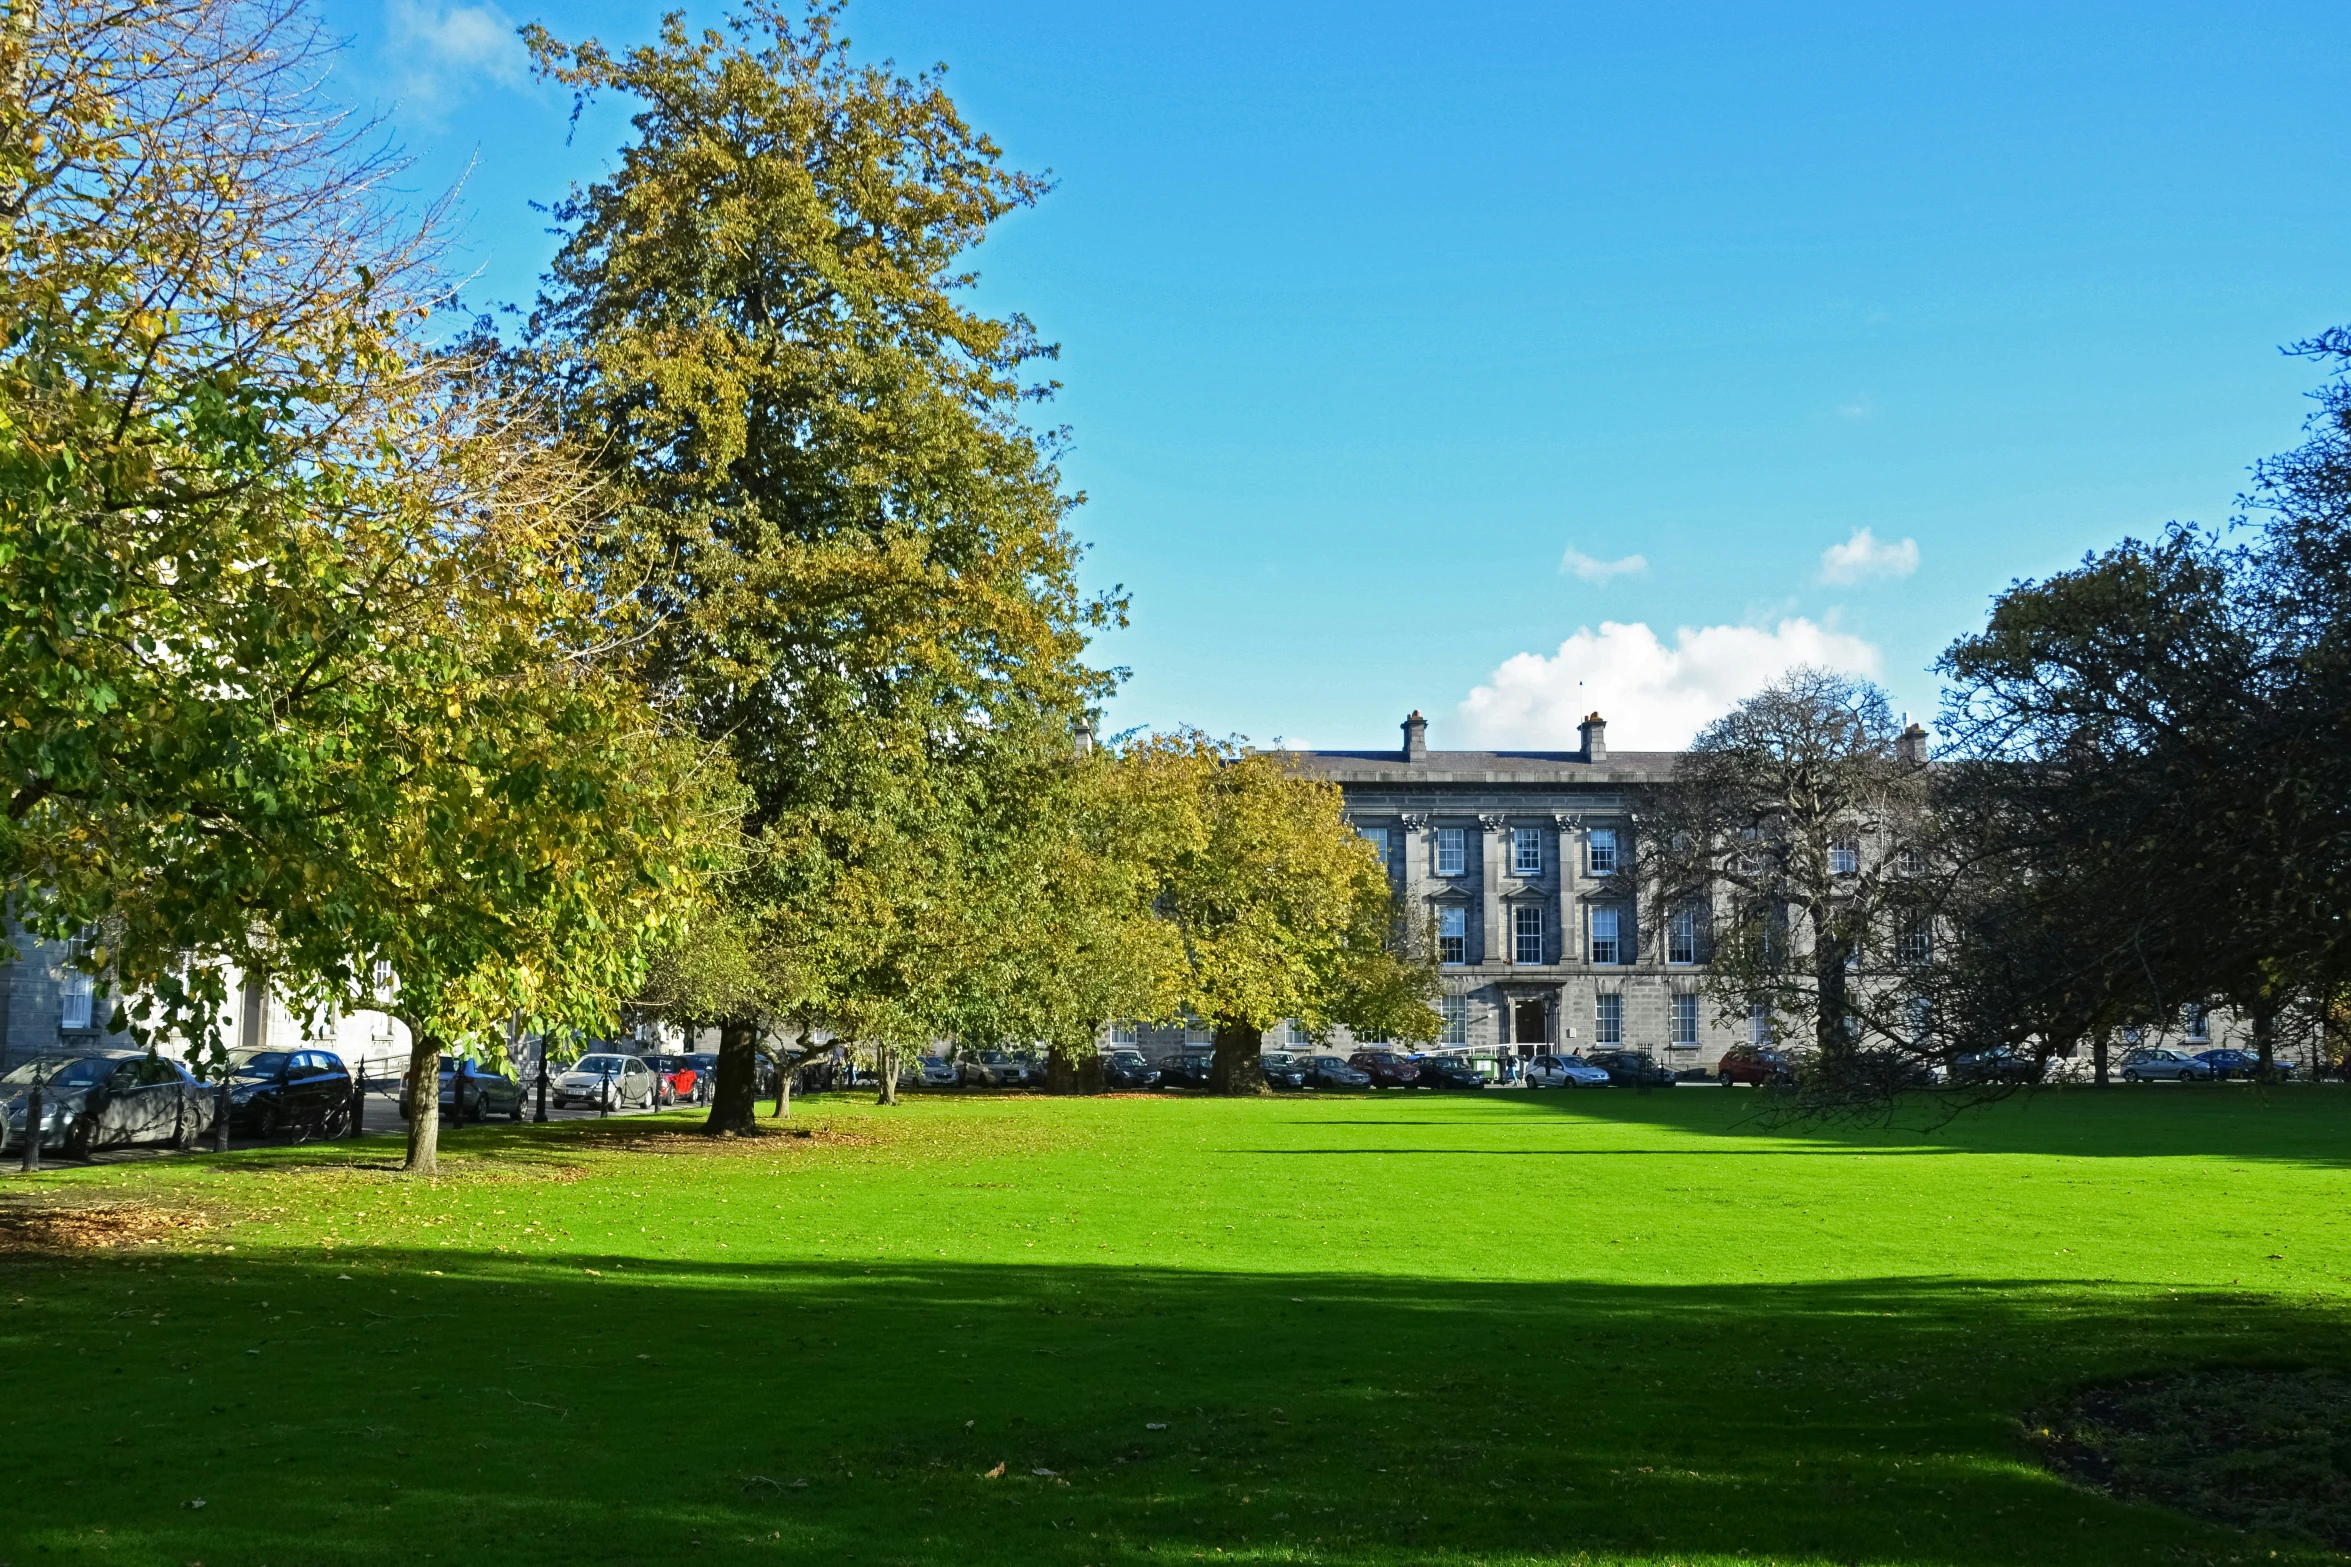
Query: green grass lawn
[1510, 1328]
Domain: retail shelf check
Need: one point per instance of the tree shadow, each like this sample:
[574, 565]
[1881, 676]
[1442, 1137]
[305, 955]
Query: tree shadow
[2293, 1123]
[389, 1403]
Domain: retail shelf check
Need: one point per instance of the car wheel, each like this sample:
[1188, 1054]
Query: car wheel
[270, 1123]
[2129, 1075]
[515, 1114]
[78, 1137]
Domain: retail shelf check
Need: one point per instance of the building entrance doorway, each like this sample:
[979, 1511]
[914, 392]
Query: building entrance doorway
[1528, 1025]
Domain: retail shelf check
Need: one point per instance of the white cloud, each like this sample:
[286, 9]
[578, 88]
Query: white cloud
[1655, 697]
[437, 47]
[1594, 570]
[1862, 557]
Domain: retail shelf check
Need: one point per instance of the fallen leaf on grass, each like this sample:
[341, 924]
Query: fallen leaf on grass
[996, 1473]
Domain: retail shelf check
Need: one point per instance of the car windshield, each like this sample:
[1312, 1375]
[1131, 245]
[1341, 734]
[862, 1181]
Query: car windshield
[599, 1065]
[59, 1072]
[258, 1063]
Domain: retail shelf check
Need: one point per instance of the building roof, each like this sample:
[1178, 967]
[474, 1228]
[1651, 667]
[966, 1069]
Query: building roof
[1536, 768]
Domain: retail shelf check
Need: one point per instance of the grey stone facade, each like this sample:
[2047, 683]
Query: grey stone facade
[1533, 832]
[37, 1015]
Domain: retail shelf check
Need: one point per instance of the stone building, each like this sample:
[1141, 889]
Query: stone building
[1510, 854]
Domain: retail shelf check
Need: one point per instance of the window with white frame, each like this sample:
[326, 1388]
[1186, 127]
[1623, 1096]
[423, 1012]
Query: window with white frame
[1196, 1033]
[2200, 1025]
[1681, 936]
[1600, 851]
[1452, 935]
[1685, 1019]
[1377, 837]
[1606, 948]
[1526, 933]
[1122, 1033]
[1452, 851]
[1912, 862]
[1845, 858]
[1608, 1020]
[1759, 1025]
[1455, 1011]
[76, 990]
[1526, 851]
[1300, 1036]
[1911, 944]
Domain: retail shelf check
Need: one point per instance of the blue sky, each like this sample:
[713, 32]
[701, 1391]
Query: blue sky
[1508, 361]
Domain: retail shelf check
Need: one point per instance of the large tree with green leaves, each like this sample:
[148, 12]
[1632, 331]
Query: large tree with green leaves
[1281, 909]
[852, 549]
[307, 657]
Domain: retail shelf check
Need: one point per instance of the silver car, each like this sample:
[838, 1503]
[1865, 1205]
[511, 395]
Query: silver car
[996, 1069]
[609, 1081]
[2156, 1065]
[1564, 1072]
[937, 1072]
[106, 1100]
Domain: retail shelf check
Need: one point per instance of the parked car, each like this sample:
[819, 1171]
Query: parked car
[1632, 1068]
[937, 1072]
[1282, 1071]
[2226, 1064]
[608, 1080]
[2000, 1065]
[1188, 1069]
[274, 1092]
[1569, 1071]
[1450, 1072]
[1331, 1072]
[1127, 1069]
[105, 1099]
[1385, 1068]
[682, 1082]
[2155, 1064]
[470, 1091]
[1757, 1065]
[996, 1069]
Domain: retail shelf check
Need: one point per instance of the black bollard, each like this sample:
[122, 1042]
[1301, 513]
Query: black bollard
[359, 1100]
[220, 1122]
[542, 1082]
[32, 1127]
[604, 1099]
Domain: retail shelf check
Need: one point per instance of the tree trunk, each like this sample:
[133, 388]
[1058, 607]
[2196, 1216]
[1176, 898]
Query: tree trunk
[424, 1103]
[1236, 1069]
[1829, 1034]
[784, 1070]
[2265, 1039]
[734, 1106]
[2098, 1059]
[1071, 1074]
[885, 1061]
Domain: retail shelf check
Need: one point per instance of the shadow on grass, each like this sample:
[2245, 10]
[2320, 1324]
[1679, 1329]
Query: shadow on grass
[394, 1404]
[2296, 1123]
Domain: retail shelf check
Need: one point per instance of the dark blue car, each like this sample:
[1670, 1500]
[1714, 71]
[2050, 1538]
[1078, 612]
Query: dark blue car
[2241, 1063]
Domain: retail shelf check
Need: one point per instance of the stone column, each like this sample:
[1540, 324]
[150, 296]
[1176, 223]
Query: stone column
[1571, 870]
[1415, 849]
[1493, 861]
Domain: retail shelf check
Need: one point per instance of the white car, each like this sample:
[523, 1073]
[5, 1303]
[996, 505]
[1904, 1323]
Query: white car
[938, 1072]
[2148, 1066]
[609, 1081]
[1564, 1072]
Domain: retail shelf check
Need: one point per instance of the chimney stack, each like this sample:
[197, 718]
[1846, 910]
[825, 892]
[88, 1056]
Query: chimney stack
[1912, 747]
[1082, 738]
[1594, 729]
[1416, 737]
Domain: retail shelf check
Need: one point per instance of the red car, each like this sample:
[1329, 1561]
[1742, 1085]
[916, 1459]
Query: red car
[1754, 1064]
[682, 1082]
[1385, 1069]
